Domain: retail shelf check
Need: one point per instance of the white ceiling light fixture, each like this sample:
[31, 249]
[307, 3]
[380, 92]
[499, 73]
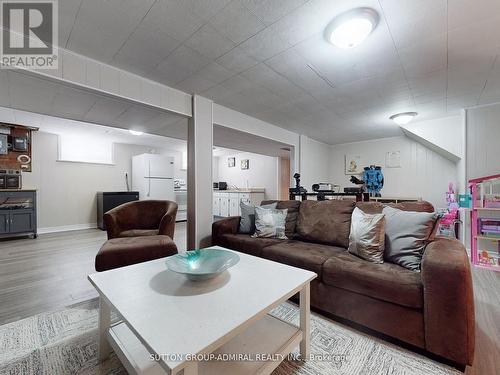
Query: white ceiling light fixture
[403, 118]
[135, 132]
[351, 28]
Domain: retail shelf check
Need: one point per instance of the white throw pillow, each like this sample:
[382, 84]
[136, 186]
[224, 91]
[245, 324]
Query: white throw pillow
[367, 236]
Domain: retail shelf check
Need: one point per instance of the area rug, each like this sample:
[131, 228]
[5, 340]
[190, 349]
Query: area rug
[65, 342]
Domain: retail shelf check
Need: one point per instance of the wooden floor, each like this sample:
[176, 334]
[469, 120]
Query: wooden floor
[51, 272]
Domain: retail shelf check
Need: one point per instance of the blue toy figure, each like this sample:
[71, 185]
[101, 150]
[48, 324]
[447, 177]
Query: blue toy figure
[374, 180]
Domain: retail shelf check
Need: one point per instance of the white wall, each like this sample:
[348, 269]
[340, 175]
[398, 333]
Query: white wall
[483, 141]
[315, 160]
[446, 133]
[423, 173]
[263, 172]
[67, 190]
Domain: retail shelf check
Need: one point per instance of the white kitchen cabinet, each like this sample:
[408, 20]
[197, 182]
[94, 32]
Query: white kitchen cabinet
[224, 206]
[234, 206]
[227, 203]
[216, 205]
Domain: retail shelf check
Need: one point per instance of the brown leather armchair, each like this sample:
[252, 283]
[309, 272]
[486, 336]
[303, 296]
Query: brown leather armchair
[141, 218]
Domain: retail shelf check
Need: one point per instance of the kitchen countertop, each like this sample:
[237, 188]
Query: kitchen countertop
[9, 190]
[251, 190]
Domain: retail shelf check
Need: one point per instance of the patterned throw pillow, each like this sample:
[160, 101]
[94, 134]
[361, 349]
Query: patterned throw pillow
[367, 236]
[247, 219]
[270, 223]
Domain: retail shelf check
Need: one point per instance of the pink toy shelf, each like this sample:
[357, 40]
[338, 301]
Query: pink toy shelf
[485, 222]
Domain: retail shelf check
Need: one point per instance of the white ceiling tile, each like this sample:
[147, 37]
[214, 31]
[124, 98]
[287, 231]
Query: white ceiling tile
[205, 9]
[174, 18]
[217, 93]
[413, 20]
[300, 24]
[67, 14]
[147, 47]
[265, 44]
[237, 84]
[269, 11]
[279, 85]
[432, 83]
[214, 72]
[237, 60]
[460, 84]
[236, 22]
[209, 42]
[101, 27]
[297, 69]
[465, 12]
[195, 85]
[179, 65]
[428, 56]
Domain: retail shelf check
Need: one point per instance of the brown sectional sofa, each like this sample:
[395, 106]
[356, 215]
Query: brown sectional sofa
[432, 309]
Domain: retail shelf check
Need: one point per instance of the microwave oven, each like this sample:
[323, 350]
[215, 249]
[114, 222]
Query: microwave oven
[10, 179]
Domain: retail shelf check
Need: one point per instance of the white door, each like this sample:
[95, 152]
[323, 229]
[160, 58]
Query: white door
[160, 188]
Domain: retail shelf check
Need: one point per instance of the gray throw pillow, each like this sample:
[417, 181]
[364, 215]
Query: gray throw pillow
[406, 235]
[247, 221]
[270, 223]
[367, 236]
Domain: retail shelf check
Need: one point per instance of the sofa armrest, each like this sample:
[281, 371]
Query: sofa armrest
[112, 223]
[448, 301]
[167, 223]
[228, 225]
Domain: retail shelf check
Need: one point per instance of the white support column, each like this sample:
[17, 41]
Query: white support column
[200, 184]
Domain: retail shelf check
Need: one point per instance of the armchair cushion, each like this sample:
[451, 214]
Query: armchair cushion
[152, 216]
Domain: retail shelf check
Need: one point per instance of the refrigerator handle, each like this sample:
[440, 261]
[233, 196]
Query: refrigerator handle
[149, 178]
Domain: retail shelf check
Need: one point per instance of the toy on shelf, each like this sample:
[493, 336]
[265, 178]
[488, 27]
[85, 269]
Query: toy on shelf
[485, 230]
[450, 217]
[374, 180]
[486, 259]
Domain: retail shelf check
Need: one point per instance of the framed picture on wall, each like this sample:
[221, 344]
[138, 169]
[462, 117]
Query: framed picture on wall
[231, 162]
[353, 164]
[245, 164]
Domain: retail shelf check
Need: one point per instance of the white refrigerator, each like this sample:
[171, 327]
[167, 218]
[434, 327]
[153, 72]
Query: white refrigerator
[153, 176]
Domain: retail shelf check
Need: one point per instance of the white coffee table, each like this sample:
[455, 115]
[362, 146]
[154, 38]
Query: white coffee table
[164, 314]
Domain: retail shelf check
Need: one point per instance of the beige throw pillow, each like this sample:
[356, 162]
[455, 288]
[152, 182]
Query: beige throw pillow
[367, 237]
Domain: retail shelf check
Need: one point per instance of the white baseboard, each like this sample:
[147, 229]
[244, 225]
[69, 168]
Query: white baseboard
[66, 228]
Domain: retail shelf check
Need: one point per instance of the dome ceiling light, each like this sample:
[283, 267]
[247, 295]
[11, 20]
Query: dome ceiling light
[403, 118]
[351, 28]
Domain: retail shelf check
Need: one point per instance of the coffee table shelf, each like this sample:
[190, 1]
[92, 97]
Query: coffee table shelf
[268, 335]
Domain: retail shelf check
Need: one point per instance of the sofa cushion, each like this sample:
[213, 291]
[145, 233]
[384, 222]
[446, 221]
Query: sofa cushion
[377, 207]
[309, 256]
[325, 221]
[292, 214]
[245, 243]
[387, 281]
